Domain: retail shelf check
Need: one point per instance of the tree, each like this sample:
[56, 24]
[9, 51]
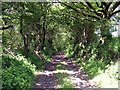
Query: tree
[97, 10]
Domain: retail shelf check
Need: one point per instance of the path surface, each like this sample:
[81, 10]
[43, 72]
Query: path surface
[48, 79]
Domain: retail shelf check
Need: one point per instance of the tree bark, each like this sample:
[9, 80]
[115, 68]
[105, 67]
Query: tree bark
[44, 26]
[26, 45]
[6, 27]
[44, 33]
[25, 37]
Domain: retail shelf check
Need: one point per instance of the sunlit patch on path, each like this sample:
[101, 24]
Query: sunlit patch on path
[47, 78]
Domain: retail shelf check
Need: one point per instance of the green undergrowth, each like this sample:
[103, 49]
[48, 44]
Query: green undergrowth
[109, 77]
[92, 66]
[39, 63]
[41, 60]
[69, 50]
[0, 66]
[63, 81]
[99, 60]
[17, 72]
[103, 71]
[60, 66]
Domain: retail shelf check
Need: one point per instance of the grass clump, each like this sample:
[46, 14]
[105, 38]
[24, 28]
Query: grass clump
[64, 81]
[61, 66]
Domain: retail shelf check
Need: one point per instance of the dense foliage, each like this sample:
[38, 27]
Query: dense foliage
[17, 72]
[98, 58]
[33, 32]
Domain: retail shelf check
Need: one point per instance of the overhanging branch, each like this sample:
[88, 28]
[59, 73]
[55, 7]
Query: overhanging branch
[115, 5]
[113, 13]
[70, 7]
[6, 27]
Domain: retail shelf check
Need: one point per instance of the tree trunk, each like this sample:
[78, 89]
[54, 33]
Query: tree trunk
[25, 37]
[44, 33]
[26, 45]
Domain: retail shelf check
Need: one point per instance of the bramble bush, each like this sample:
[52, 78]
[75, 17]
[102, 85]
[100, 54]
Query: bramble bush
[17, 72]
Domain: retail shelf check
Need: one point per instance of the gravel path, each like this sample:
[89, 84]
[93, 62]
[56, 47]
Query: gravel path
[48, 79]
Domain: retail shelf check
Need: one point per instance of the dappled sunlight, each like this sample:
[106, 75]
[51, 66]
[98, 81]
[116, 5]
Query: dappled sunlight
[64, 63]
[66, 68]
[82, 82]
[56, 71]
[38, 84]
[59, 44]
[58, 56]
[45, 81]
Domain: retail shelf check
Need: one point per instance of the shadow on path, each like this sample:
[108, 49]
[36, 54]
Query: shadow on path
[48, 79]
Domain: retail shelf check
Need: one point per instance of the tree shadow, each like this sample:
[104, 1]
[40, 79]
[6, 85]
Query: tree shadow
[48, 79]
[45, 81]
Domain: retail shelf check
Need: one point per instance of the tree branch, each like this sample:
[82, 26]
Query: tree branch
[90, 6]
[70, 7]
[6, 27]
[84, 14]
[91, 16]
[108, 5]
[113, 14]
[77, 6]
[104, 3]
[97, 4]
[115, 5]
